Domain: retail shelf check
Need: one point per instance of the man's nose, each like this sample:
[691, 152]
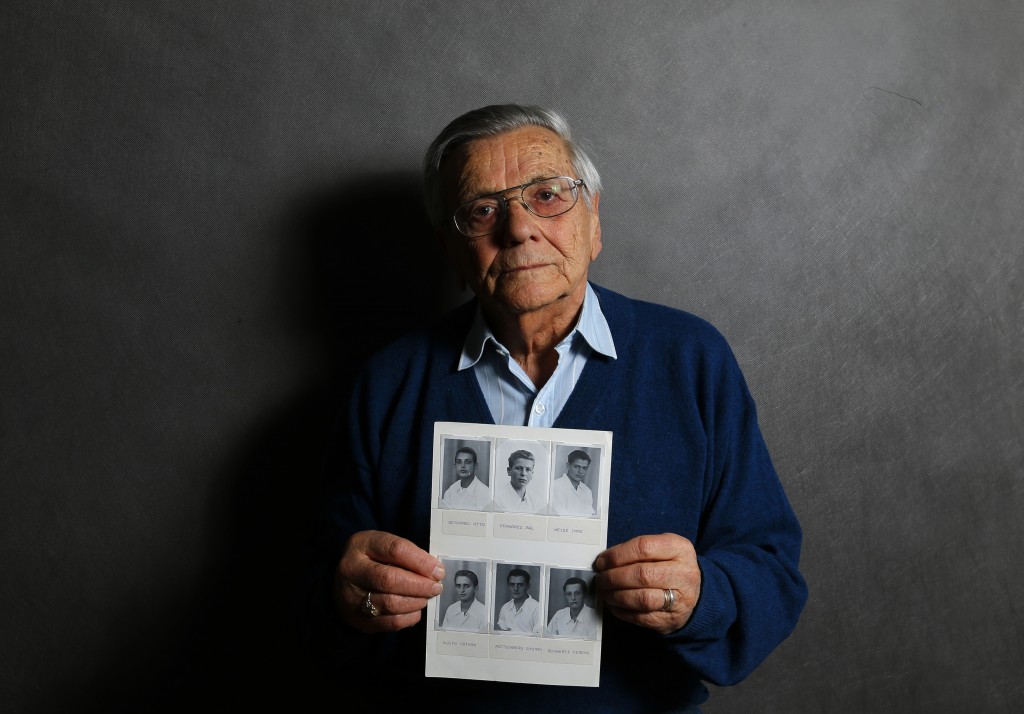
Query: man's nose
[519, 222]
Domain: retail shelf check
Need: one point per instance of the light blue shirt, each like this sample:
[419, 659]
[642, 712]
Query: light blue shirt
[511, 395]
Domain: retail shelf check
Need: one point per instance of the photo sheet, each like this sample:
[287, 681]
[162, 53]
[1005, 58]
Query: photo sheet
[518, 515]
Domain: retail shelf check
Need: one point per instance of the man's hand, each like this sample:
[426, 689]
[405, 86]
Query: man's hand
[399, 576]
[634, 577]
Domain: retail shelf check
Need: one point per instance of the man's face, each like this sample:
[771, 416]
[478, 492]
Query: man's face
[465, 465]
[520, 472]
[577, 469]
[574, 596]
[517, 587]
[465, 590]
[531, 262]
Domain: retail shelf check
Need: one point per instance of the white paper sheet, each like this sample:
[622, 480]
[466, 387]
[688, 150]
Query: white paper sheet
[487, 543]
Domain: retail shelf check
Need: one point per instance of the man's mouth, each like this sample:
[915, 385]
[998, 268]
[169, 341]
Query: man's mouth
[522, 268]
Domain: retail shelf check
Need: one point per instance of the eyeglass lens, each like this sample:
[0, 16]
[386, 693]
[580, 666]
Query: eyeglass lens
[546, 198]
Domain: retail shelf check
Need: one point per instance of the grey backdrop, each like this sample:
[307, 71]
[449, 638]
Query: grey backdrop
[209, 215]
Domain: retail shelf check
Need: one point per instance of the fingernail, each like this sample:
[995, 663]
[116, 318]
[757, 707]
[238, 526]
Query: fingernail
[438, 588]
[438, 573]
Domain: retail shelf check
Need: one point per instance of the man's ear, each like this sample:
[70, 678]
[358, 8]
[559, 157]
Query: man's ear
[595, 248]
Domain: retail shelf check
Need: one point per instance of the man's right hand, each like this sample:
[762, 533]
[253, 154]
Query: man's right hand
[399, 575]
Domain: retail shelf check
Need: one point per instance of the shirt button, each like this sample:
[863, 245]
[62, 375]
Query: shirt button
[539, 408]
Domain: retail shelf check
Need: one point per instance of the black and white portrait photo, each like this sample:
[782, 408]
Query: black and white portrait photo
[463, 603]
[518, 610]
[575, 483]
[571, 611]
[466, 481]
[523, 488]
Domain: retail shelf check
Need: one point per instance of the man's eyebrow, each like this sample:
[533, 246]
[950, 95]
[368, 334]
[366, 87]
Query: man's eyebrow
[472, 196]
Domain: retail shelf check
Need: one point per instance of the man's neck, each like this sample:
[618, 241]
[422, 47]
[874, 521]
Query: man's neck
[531, 336]
[464, 482]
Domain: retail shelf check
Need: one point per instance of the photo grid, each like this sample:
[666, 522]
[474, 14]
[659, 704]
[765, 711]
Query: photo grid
[531, 599]
[518, 516]
[510, 475]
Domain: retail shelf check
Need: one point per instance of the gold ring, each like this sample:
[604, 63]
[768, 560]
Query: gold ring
[670, 599]
[369, 608]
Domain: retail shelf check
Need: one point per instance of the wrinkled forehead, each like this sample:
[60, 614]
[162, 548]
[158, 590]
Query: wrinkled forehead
[493, 163]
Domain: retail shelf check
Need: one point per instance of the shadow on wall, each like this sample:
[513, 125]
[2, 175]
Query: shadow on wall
[361, 268]
[370, 268]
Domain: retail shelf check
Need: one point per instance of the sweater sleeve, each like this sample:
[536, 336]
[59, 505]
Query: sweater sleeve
[344, 506]
[355, 496]
[748, 544]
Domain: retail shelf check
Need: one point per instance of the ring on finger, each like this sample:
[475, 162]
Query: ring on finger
[368, 608]
[670, 599]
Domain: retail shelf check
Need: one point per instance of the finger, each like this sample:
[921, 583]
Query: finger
[383, 622]
[394, 550]
[637, 617]
[661, 622]
[656, 575]
[386, 613]
[384, 563]
[652, 609]
[636, 600]
[383, 603]
[388, 623]
[645, 548]
[396, 581]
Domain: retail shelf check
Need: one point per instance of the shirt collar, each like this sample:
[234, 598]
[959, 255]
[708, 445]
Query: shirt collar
[592, 327]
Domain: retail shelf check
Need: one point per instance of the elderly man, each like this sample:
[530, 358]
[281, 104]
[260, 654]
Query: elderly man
[702, 580]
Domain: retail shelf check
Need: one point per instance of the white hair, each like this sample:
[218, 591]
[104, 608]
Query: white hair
[490, 121]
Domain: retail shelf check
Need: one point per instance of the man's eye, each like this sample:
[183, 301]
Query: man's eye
[484, 210]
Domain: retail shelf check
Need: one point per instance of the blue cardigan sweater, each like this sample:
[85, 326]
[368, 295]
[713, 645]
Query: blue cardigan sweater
[687, 458]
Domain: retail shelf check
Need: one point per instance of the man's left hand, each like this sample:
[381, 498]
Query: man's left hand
[635, 579]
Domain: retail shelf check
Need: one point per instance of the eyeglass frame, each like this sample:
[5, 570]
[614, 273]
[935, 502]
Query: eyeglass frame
[577, 185]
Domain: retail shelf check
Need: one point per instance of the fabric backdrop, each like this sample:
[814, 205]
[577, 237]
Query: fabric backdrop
[210, 213]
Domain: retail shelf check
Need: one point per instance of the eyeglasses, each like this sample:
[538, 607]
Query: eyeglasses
[546, 198]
